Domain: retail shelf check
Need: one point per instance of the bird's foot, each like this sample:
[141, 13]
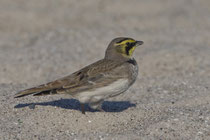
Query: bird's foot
[82, 108]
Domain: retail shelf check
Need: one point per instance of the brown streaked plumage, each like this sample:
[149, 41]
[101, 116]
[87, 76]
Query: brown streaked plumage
[105, 78]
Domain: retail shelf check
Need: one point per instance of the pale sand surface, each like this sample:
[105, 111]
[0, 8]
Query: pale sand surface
[42, 40]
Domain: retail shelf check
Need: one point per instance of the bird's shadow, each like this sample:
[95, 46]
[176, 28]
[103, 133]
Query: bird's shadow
[108, 106]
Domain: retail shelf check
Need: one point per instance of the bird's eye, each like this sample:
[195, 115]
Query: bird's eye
[127, 43]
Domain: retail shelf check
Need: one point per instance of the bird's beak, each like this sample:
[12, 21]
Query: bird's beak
[138, 43]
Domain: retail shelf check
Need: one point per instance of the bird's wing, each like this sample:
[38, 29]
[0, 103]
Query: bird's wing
[94, 75]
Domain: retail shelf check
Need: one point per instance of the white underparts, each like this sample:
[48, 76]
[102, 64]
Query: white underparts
[102, 93]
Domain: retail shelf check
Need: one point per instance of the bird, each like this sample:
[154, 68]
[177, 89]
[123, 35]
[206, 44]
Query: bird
[93, 84]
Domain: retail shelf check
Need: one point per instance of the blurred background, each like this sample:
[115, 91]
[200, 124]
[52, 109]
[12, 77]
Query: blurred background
[42, 40]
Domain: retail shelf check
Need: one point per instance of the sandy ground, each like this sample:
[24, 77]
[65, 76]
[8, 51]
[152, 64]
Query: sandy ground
[41, 40]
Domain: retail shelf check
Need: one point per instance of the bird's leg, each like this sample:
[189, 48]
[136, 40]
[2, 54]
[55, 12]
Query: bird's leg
[82, 108]
[100, 108]
[97, 105]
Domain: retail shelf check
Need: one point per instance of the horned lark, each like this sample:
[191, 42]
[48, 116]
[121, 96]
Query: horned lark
[106, 78]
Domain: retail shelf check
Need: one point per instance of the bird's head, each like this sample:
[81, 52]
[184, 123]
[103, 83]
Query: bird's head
[122, 47]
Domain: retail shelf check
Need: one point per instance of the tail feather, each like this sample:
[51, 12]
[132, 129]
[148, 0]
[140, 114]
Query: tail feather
[29, 91]
[20, 94]
[48, 92]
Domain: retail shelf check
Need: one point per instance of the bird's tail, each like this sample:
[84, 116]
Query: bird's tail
[36, 91]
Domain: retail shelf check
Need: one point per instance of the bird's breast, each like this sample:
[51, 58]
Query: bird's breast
[133, 73]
